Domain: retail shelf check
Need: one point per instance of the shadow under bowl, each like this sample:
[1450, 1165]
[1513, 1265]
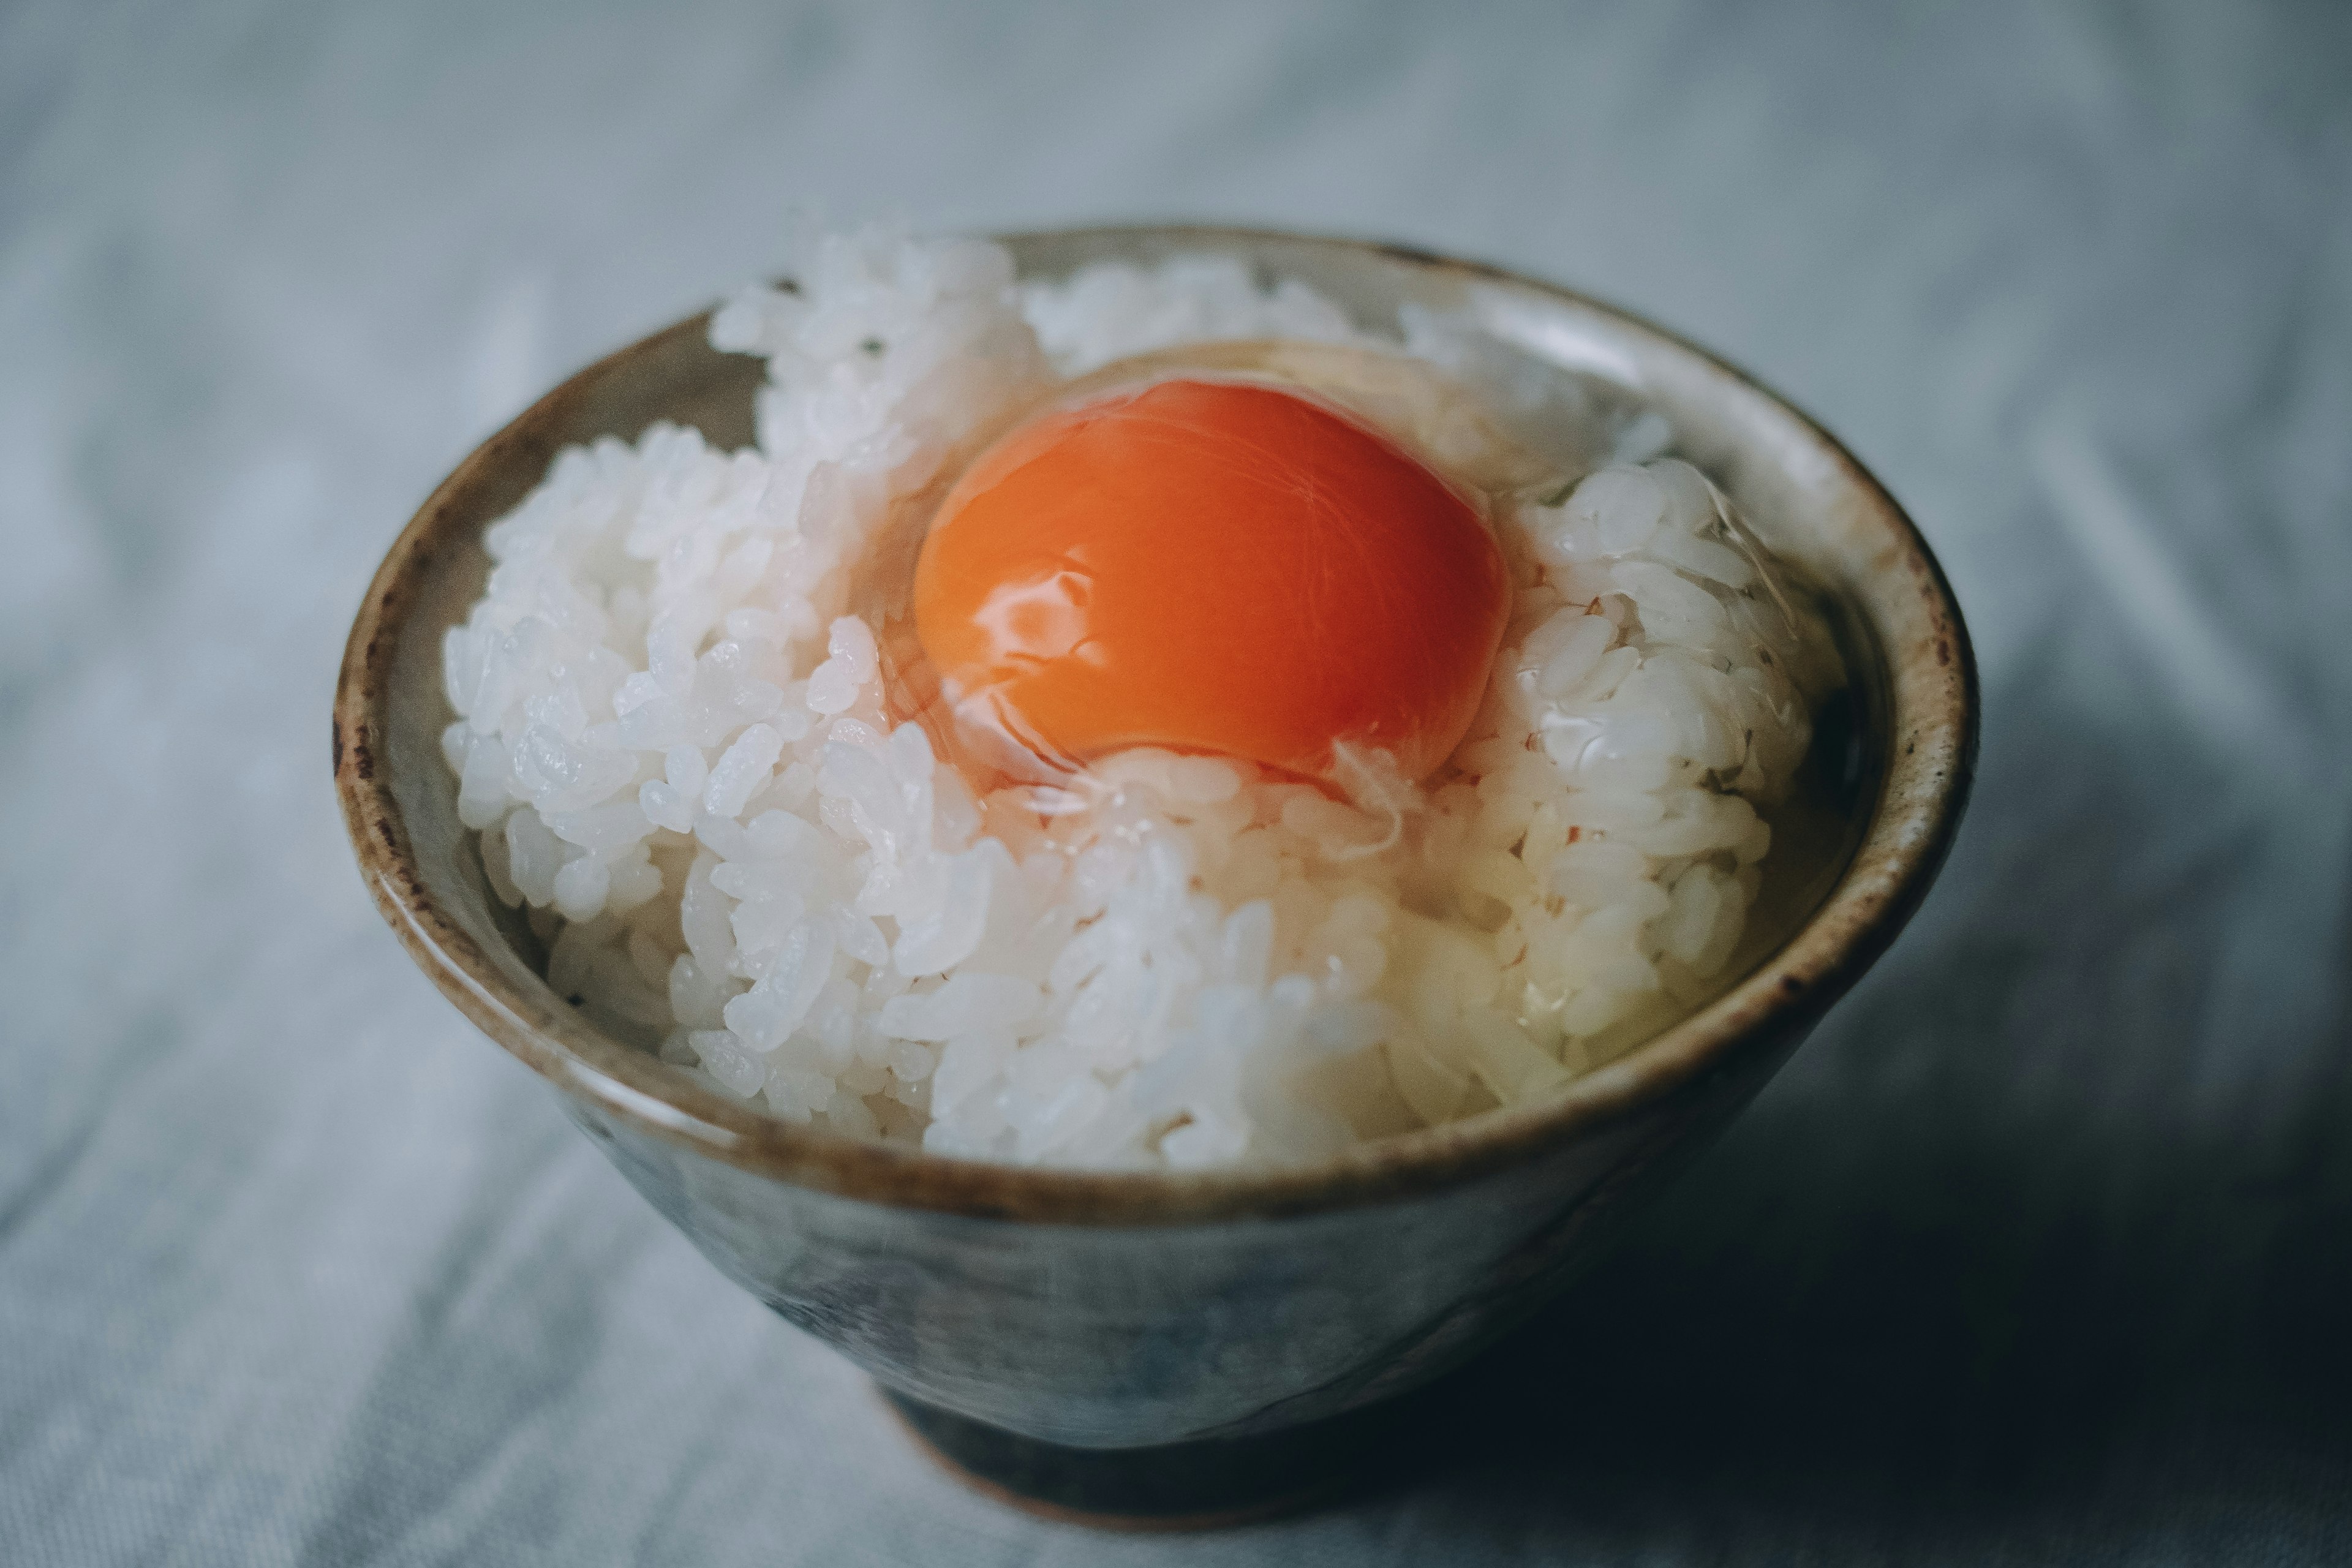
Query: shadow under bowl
[1161, 1347]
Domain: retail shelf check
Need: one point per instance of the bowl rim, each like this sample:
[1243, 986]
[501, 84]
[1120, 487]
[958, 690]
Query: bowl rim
[1924, 784]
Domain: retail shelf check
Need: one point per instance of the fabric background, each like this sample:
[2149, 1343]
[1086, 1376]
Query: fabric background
[2038, 1252]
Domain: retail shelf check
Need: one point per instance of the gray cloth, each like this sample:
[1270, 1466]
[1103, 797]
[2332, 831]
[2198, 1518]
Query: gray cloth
[2039, 1251]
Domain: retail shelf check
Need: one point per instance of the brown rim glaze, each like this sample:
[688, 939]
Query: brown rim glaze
[1928, 764]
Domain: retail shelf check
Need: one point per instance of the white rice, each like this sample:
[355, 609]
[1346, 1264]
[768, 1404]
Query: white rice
[673, 741]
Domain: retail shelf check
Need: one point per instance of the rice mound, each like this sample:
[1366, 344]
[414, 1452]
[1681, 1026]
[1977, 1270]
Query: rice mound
[674, 741]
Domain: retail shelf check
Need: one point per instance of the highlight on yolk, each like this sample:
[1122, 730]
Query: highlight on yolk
[1212, 566]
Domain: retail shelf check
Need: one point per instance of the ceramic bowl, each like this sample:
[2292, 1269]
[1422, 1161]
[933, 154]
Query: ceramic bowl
[1179, 1346]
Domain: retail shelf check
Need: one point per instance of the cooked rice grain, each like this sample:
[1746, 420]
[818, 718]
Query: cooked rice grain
[673, 740]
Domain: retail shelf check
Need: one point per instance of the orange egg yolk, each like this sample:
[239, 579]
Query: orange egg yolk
[1212, 566]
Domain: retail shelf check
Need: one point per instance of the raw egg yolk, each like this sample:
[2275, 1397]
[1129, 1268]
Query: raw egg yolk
[1212, 566]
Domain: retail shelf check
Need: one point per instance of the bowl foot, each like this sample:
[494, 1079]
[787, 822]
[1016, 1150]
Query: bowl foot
[1206, 1484]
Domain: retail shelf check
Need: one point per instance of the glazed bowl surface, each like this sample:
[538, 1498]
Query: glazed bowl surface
[1120, 1311]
